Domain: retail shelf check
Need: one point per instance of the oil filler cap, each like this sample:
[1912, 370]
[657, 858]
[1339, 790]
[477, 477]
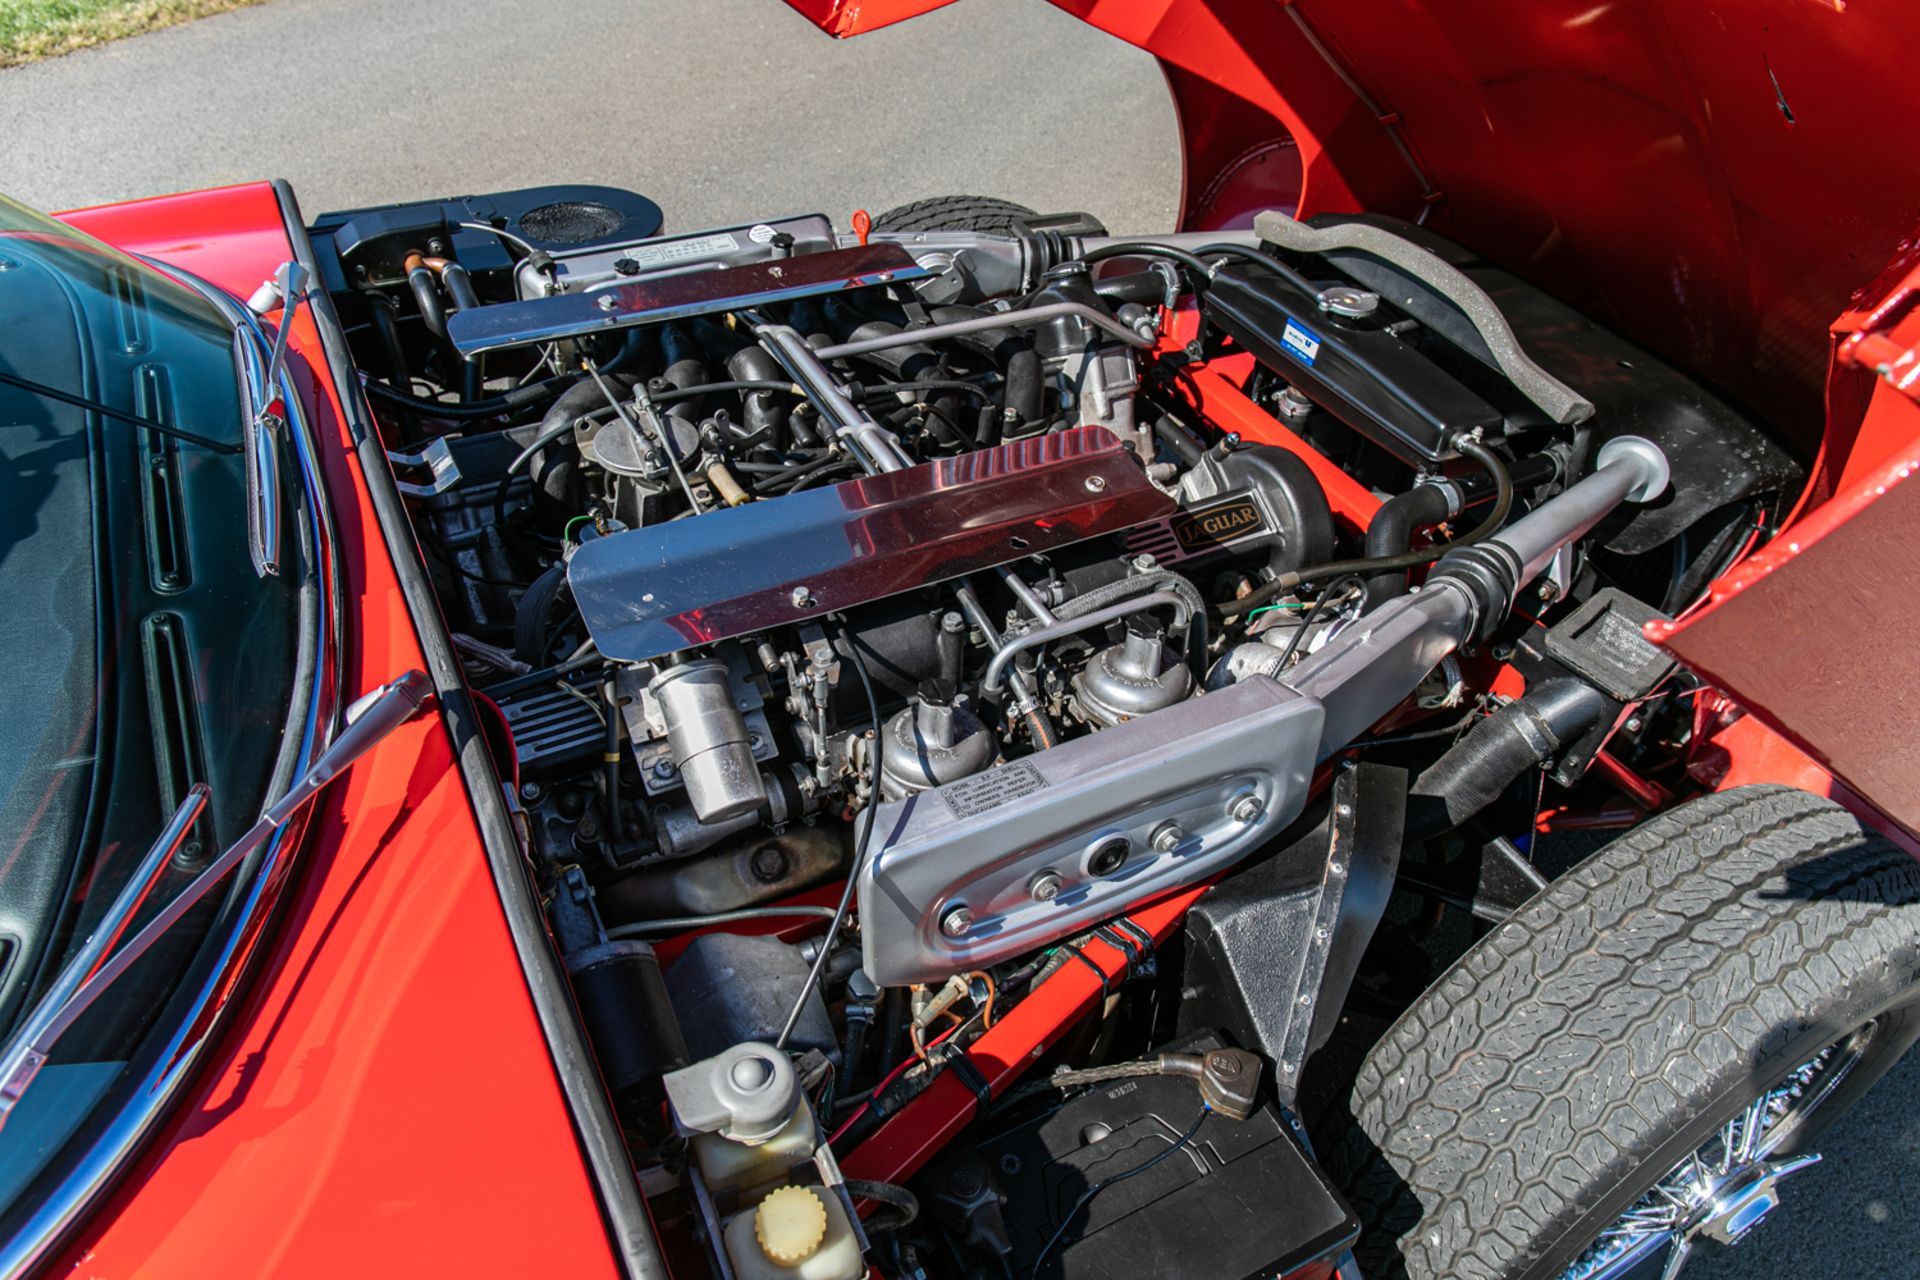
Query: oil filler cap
[790, 1224]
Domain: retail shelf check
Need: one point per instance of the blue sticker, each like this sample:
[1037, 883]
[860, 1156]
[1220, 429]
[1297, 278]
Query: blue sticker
[1301, 341]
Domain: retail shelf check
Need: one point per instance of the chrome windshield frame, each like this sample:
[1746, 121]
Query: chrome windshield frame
[316, 708]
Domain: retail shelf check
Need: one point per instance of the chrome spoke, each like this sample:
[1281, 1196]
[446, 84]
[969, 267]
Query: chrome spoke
[1724, 1187]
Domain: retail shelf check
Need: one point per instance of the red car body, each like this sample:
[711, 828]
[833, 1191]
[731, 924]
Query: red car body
[387, 1098]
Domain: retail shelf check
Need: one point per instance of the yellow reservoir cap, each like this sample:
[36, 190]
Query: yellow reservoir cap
[790, 1224]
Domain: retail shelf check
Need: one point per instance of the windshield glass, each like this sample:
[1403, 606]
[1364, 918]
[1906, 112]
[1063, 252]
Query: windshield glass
[143, 653]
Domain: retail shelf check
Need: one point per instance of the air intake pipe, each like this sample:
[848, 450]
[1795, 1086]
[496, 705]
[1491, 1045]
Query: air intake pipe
[1525, 734]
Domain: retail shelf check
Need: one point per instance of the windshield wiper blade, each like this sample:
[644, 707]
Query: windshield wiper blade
[108, 411]
[92, 970]
[268, 404]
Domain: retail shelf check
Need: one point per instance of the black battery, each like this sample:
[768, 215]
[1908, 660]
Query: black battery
[1242, 1198]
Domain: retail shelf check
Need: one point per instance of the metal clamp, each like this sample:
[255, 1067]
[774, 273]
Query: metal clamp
[437, 458]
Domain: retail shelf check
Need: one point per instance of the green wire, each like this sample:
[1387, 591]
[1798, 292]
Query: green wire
[567, 532]
[1292, 604]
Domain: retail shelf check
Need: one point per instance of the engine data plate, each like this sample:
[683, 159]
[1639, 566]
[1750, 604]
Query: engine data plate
[650, 591]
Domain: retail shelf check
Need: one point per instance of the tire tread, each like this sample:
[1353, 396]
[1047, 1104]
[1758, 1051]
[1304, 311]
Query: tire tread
[1563, 1047]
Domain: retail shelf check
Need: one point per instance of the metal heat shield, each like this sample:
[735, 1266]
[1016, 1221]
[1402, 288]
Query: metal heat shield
[660, 298]
[650, 591]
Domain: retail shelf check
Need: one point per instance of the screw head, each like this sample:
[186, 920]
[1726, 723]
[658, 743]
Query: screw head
[956, 922]
[607, 302]
[802, 598]
[1045, 885]
[1096, 484]
[1633, 724]
[529, 791]
[1247, 808]
[1167, 837]
[663, 768]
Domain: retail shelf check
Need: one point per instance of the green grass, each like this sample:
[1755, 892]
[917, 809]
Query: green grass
[34, 29]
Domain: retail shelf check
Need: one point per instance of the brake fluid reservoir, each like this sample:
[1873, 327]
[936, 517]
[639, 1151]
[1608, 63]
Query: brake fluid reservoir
[728, 1165]
[796, 1233]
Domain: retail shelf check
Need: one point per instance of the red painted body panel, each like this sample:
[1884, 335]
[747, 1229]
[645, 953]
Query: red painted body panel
[385, 1103]
[851, 17]
[1692, 174]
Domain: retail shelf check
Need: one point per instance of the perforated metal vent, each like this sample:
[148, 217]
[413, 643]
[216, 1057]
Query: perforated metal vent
[571, 222]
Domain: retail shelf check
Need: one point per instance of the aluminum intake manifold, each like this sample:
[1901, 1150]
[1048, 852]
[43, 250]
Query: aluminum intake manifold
[983, 870]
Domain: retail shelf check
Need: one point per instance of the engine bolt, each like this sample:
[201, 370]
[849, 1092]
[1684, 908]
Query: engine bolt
[1045, 886]
[607, 302]
[956, 922]
[1167, 837]
[663, 768]
[529, 791]
[802, 598]
[1096, 484]
[1247, 808]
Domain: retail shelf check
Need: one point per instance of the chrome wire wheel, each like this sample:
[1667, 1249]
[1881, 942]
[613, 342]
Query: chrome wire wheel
[1730, 1183]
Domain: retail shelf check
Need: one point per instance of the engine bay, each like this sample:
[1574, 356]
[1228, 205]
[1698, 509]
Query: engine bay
[967, 690]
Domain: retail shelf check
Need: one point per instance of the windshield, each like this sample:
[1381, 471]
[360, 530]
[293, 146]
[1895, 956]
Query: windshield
[143, 652]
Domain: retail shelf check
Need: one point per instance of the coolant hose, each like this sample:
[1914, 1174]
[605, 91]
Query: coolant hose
[1525, 734]
[1390, 533]
[426, 295]
[1140, 584]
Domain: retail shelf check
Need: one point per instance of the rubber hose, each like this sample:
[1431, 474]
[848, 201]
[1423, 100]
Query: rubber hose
[380, 315]
[534, 611]
[1407, 513]
[1525, 734]
[904, 1204]
[1177, 438]
[426, 295]
[1390, 533]
[508, 402]
[1139, 584]
[1025, 387]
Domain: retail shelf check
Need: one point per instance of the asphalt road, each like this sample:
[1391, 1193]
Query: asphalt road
[724, 110]
[721, 110]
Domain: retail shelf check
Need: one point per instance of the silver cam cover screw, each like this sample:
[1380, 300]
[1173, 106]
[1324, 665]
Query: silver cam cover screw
[956, 922]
